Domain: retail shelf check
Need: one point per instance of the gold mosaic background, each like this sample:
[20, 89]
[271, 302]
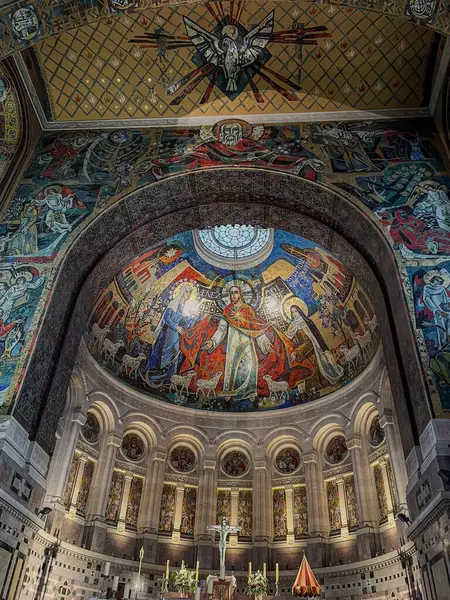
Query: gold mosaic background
[371, 61]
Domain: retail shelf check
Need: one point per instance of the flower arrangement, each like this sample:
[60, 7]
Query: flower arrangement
[184, 581]
[257, 585]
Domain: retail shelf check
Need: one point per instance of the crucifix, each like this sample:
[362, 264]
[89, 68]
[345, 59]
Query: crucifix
[223, 529]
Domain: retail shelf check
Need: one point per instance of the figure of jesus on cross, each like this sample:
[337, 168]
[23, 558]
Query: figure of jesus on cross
[224, 529]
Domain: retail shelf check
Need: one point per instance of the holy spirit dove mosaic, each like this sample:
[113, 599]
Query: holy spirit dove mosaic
[231, 55]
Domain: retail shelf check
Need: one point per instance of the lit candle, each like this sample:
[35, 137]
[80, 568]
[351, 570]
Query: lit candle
[249, 570]
[167, 569]
[182, 564]
[264, 569]
[277, 573]
[196, 570]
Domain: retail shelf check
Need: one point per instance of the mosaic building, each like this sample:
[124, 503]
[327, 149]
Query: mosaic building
[224, 297]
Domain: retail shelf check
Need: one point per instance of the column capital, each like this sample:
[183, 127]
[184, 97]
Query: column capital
[78, 417]
[386, 419]
[83, 457]
[114, 440]
[209, 463]
[159, 456]
[354, 442]
[260, 464]
[310, 457]
[340, 480]
[234, 492]
[128, 475]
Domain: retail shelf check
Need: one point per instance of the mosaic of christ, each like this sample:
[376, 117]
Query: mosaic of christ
[192, 325]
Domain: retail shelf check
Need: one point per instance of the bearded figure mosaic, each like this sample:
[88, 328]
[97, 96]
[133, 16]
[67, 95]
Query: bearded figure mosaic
[234, 318]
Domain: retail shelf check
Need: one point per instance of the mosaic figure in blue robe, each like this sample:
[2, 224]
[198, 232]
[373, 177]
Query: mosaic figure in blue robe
[166, 357]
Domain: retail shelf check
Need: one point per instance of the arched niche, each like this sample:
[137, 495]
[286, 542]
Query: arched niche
[210, 197]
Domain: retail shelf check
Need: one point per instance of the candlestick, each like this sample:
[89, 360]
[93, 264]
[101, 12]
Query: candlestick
[249, 570]
[196, 570]
[167, 568]
[264, 569]
[277, 573]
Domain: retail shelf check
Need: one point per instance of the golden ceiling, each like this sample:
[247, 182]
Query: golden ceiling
[288, 57]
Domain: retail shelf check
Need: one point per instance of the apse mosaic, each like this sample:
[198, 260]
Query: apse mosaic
[234, 58]
[394, 169]
[235, 463]
[334, 507]
[376, 433]
[300, 512]
[245, 513]
[285, 331]
[133, 447]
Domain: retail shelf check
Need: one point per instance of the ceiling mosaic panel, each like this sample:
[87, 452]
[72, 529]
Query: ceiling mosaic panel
[272, 333]
[235, 58]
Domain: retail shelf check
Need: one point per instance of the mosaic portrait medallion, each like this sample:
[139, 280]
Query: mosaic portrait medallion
[336, 450]
[376, 433]
[182, 459]
[91, 429]
[287, 461]
[133, 447]
[235, 463]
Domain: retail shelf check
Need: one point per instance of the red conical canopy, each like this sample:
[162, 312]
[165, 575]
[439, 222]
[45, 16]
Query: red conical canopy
[305, 584]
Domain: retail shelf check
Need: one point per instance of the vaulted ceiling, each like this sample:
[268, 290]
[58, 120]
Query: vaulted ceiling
[291, 58]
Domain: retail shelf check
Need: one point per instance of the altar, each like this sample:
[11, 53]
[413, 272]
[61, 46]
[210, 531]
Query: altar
[221, 589]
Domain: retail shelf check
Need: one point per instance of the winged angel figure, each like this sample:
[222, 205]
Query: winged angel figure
[228, 51]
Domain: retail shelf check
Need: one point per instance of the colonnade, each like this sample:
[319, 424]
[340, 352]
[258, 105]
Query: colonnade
[357, 477]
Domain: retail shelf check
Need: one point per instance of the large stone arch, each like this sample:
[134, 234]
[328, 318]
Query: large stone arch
[55, 18]
[219, 196]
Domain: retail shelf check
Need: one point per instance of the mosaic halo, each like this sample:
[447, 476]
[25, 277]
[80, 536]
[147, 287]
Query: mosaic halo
[376, 433]
[235, 463]
[336, 450]
[91, 429]
[133, 447]
[182, 459]
[287, 461]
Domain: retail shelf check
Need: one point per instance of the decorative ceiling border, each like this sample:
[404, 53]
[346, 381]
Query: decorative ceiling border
[273, 118]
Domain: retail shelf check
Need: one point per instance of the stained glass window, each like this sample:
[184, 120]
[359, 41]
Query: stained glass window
[235, 241]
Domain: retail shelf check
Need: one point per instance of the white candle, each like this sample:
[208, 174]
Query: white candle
[277, 573]
[115, 584]
[106, 569]
[196, 571]
[167, 568]
[249, 570]
[264, 569]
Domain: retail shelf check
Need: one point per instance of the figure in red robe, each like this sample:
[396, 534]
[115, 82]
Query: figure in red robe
[242, 348]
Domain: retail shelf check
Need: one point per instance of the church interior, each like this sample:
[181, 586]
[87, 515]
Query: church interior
[215, 214]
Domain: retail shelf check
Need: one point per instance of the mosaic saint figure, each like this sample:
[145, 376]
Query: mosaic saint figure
[241, 363]
[165, 357]
[312, 347]
[24, 241]
[132, 448]
[436, 299]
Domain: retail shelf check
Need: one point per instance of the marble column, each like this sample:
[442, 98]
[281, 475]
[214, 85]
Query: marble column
[152, 501]
[343, 506]
[262, 512]
[179, 495]
[396, 458]
[95, 533]
[387, 489]
[124, 501]
[317, 521]
[61, 462]
[205, 514]
[76, 488]
[289, 491]
[366, 495]
[234, 515]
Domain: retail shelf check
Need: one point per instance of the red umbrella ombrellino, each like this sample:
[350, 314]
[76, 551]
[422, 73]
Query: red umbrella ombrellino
[306, 585]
